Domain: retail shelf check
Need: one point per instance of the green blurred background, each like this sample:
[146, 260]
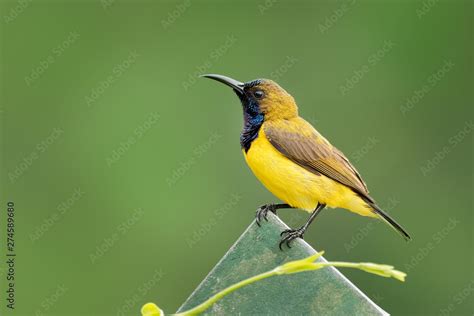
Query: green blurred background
[126, 169]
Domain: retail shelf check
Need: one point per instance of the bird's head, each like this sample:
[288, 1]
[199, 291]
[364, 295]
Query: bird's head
[261, 96]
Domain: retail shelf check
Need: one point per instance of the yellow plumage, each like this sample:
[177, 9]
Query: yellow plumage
[294, 184]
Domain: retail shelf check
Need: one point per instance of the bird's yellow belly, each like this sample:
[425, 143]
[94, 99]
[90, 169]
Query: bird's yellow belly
[295, 185]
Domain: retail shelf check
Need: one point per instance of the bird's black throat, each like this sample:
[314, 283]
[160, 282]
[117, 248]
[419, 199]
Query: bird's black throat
[253, 120]
[252, 125]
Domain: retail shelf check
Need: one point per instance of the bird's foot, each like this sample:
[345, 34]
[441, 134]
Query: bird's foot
[262, 212]
[290, 235]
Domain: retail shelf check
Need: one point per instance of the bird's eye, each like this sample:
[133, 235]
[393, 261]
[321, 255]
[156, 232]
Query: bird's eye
[259, 94]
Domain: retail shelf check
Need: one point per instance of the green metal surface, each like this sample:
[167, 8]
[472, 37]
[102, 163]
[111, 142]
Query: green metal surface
[322, 292]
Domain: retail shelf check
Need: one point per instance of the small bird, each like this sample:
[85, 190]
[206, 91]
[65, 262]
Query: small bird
[294, 161]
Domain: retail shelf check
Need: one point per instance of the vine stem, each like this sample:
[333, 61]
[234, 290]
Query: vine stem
[202, 307]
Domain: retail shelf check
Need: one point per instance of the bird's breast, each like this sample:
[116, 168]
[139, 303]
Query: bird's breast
[285, 179]
[292, 183]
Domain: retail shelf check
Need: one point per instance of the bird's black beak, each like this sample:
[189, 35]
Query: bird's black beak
[234, 84]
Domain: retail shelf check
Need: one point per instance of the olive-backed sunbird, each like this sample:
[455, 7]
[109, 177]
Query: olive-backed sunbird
[294, 161]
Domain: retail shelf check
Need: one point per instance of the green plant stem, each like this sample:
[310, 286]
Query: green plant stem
[340, 264]
[202, 307]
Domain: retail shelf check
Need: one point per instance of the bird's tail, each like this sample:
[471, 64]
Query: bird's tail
[390, 221]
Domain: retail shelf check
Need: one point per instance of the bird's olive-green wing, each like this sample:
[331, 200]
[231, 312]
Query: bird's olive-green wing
[300, 142]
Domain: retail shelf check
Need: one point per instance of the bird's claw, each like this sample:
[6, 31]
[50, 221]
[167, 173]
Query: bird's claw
[262, 212]
[291, 234]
